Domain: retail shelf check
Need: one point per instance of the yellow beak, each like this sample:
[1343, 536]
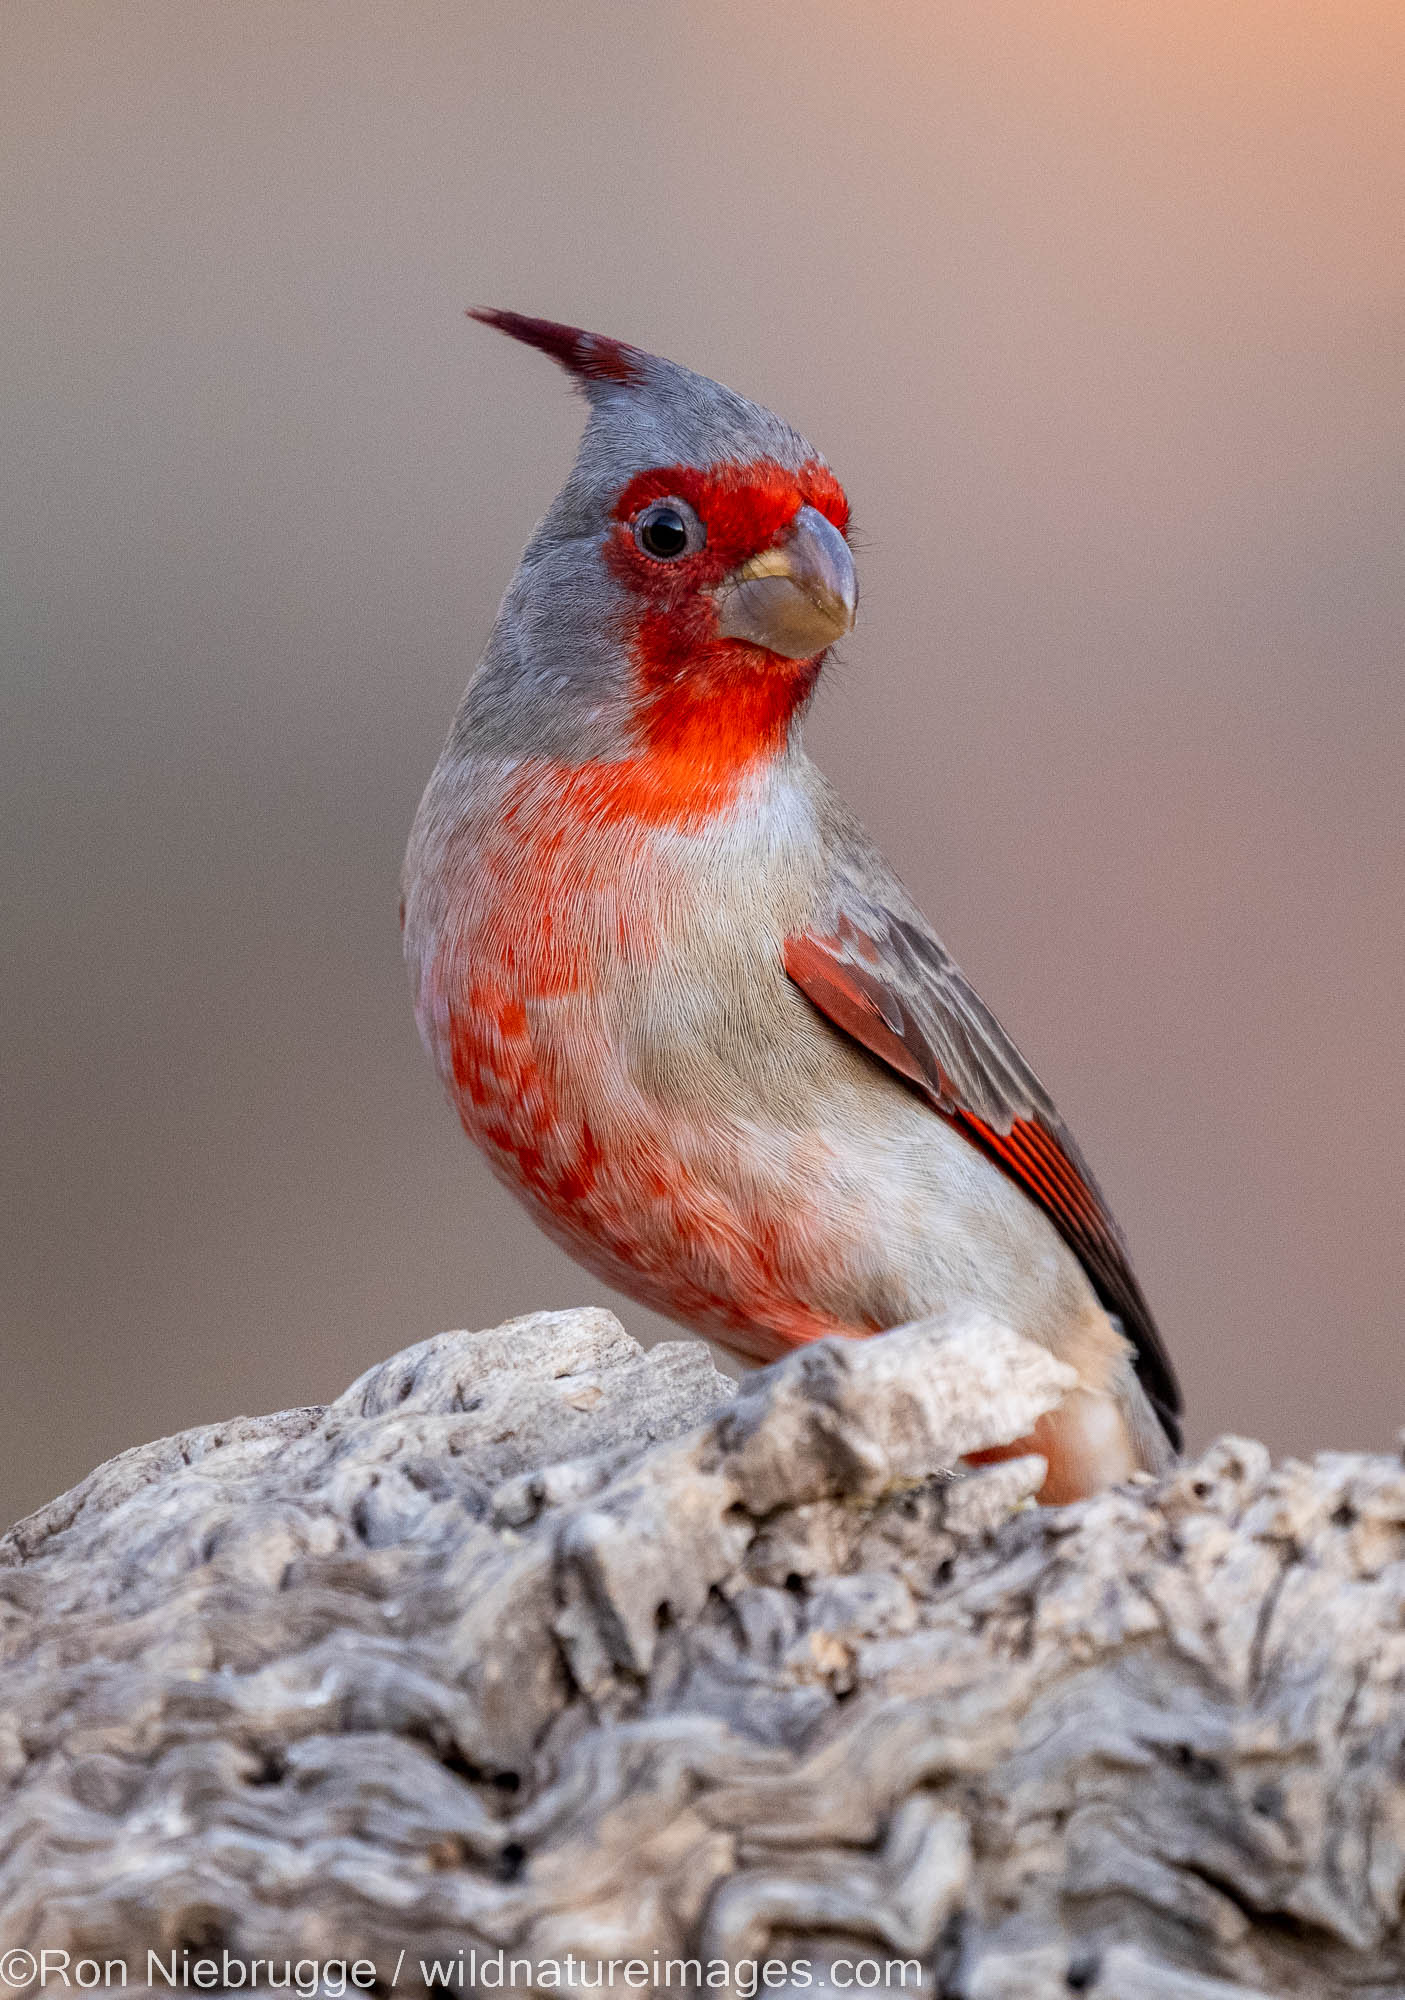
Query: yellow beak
[795, 598]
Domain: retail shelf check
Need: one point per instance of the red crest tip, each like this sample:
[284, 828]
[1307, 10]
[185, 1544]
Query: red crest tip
[590, 357]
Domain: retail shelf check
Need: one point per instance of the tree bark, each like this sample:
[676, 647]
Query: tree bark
[533, 1643]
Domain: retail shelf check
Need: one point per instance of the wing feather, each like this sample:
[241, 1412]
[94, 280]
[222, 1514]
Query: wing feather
[888, 982]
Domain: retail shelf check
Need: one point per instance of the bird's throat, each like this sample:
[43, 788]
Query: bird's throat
[710, 712]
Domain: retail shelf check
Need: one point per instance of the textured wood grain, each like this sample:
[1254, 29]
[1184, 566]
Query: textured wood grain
[533, 1640]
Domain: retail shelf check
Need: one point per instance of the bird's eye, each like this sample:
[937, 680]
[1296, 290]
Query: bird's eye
[669, 529]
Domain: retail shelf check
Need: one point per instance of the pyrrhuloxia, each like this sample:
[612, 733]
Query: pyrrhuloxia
[675, 993]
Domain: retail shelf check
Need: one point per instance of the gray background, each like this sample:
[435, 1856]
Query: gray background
[1099, 311]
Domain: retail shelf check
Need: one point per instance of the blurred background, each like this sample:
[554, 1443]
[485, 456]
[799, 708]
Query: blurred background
[1098, 308]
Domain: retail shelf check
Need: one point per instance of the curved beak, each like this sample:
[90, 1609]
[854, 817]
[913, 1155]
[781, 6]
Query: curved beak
[795, 598]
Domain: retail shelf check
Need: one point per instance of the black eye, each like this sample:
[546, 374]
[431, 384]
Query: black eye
[668, 529]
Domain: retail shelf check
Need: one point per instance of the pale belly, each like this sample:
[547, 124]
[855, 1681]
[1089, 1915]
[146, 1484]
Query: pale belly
[716, 1221]
[758, 1215]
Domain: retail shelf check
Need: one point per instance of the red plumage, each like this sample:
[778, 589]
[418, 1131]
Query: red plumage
[590, 356]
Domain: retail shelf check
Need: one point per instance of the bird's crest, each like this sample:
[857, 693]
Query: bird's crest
[648, 411]
[590, 357]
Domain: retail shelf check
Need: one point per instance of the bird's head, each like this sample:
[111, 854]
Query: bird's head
[683, 588]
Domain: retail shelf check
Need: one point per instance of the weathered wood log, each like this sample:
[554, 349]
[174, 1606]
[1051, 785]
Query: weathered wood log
[534, 1643]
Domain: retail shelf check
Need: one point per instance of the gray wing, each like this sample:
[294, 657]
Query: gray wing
[876, 970]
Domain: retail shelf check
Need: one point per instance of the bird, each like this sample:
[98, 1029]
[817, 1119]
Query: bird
[673, 990]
